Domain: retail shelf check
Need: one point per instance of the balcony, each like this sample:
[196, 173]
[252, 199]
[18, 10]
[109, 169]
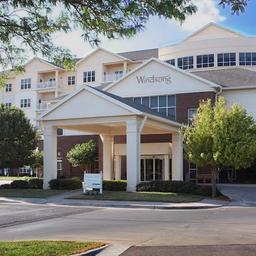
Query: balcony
[111, 77]
[43, 106]
[47, 86]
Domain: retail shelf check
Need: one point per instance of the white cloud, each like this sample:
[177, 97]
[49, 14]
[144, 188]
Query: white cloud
[207, 11]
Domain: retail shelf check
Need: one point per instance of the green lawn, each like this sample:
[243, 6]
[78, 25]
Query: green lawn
[141, 196]
[11, 178]
[45, 248]
[29, 193]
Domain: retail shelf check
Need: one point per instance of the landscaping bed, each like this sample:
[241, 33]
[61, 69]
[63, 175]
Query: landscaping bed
[29, 193]
[141, 196]
[46, 248]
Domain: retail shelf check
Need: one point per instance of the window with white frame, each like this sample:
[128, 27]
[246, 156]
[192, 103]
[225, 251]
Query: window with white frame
[8, 87]
[89, 76]
[164, 104]
[25, 83]
[172, 62]
[8, 104]
[191, 114]
[25, 103]
[59, 167]
[118, 74]
[247, 58]
[186, 62]
[192, 171]
[205, 61]
[226, 59]
[71, 80]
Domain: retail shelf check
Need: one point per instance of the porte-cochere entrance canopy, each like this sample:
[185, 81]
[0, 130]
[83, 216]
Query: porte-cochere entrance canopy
[98, 112]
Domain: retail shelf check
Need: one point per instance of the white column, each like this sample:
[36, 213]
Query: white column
[133, 154]
[108, 144]
[166, 167]
[125, 67]
[57, 83]
[50, 155]
[118, 167]
[177, 156]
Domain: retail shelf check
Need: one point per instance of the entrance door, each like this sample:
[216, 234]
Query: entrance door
[152, 168]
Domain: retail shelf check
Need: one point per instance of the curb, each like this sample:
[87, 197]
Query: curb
[92, 252]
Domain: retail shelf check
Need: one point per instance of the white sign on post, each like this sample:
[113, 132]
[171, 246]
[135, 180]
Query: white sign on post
[92, 181]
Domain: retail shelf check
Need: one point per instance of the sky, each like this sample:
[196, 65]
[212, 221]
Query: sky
[162, 32]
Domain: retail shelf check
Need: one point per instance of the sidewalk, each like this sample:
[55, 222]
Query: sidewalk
[60, 200]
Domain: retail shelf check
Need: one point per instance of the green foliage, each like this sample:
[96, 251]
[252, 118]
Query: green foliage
[17, 138]
[174, 187]
[83, 155]
[20, 184]
[221, 136]
[37, 159]
[115, 185]
[66, 184]
[35, 183]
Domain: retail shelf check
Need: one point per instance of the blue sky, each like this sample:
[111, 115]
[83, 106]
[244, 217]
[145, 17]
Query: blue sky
[161, 32]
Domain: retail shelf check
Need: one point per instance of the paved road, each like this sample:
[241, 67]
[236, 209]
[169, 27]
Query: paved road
[228, 225]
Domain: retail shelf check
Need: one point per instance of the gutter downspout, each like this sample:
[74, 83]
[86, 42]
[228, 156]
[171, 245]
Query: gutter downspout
[218, 92]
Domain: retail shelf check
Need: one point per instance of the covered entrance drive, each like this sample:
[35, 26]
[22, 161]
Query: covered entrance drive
[97, 112]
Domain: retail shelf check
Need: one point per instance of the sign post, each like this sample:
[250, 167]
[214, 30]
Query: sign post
[92, 182]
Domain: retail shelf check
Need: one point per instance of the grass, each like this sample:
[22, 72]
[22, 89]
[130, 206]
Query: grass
[141, 196]
[29, 193]
[11, 178]
[45, 248]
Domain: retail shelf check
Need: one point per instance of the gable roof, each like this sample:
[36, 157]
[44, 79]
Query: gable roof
[43, 61]
[209, 83]
[212, 24]
[100, 49]
[127, 104]
[140, 54]
[230, 77]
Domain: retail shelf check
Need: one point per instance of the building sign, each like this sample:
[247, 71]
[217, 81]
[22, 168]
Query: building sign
[92, 181]
[154, 79]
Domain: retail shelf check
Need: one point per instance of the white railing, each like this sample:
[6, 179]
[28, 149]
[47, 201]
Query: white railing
[43, 106]
[47, 84]
[111, 77]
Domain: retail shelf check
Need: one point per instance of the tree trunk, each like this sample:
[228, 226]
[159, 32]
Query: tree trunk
[214, 187]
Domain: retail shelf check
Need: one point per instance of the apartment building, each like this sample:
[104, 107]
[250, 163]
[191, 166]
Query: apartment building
[164, 86]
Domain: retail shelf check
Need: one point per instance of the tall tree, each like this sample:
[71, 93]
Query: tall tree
[221, 137]
[17, 138]
[31, 23]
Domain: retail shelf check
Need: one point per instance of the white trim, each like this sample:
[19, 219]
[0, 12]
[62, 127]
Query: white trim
[239, 87]
[102, 49]
[209, 83]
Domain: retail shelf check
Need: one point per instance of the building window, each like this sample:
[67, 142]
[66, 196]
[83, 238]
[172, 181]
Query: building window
[164, 104]
[25, 83]
[25, 103]
[71, 80]
[89, 76]
[247, 58]
[191, 114]
[205, 61]
[172, 62]
[59, 168]
[118, 74]
[59, 131]
[8, 104]
[192, 171]
[226, 59]
[186, 62]
[8, 87]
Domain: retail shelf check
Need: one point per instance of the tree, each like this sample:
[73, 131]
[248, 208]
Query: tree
[83, 155]
[37, 160]
[221, 137]
[17, 138]
[31, 24]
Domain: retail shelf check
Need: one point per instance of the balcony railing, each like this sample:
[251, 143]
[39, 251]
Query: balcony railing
[46, 85]
[43, 106]
[111, 77]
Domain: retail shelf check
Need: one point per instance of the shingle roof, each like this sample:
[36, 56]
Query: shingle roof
[229, 77]
[141, 54]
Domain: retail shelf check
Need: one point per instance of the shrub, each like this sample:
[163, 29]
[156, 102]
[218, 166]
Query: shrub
[68, 184]
[175, 187]
[115, 185]
[21, 184]
[5, 186]
[36, 183]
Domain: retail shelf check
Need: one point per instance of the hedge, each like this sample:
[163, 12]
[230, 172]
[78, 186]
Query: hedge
[20, 184]
[66, 184]
[175, 187]
[24, 184]
[36, 183]
[114, 185]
